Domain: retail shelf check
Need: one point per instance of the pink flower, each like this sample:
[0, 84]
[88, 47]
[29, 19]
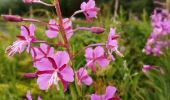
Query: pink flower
[24, 41]
[89, 9]
[96, 56]
[83, 77]
[53, 29]
[54, 69]
[29, 97]
[108, 95]
[41, 52]
[112, 44]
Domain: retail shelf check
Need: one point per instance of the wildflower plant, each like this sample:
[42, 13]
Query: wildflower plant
[54, 66]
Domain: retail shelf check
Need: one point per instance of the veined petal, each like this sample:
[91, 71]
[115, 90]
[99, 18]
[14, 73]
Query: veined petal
[67, 74]
[61, 58]
[44, 64]
[43, 81]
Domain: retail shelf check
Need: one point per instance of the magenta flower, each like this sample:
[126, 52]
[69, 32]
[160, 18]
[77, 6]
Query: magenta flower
[41, 52]
[108, 95]
[29, 97]
[54, 69]
[83, 77]
[24, 41]
[96, 56]
[53, 29]
[89, 9]
[112, 44]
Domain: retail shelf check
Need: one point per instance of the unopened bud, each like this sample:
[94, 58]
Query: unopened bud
[97, 30]
[29, 75]
[28, 1]
[12, 18]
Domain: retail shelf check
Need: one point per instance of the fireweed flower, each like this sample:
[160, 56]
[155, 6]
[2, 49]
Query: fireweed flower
[108, 95]
[89, 9]
[112, 44]
[96, 56]
[83, 77]
[53, 29]
[54, 69]
[24, 41]
[161, 28]
[41, 52]
[29, 97]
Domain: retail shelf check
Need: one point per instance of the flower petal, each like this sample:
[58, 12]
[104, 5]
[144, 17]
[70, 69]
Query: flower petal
[98, 51]
[110, 92]
[95, 97]
[67, 74]
[43, 64]
[43, 80]
[32, 29]
[61, 58]
[103, 62]
[88, 80]
[51, 33]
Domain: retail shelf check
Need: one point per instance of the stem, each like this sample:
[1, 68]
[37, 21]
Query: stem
[77, 12]
[61, 27]
[81, 28]
[98, 44]
[46, 4]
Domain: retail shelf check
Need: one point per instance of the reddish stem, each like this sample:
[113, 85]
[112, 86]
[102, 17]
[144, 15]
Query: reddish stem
[61, 27]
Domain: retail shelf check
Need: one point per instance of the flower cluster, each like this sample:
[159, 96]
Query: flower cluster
[161, 29]
[54, 66]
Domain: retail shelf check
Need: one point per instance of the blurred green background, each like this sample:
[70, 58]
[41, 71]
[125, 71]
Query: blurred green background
[132, 24]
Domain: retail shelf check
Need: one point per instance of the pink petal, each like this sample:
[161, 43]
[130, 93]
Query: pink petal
[61, 58]
[89, 53]
[43, 80]
[24, 31]
[90, 4]
[39, 98]
[103, 62]
[32, 29]
[83, 6]
[67, 74]
[52, 21]
[112, 32]
[51, 33]
[95, 97]
[110, 92]
[36, 53]
[92, 13]
[88, 80]
[43, 64]
[98, 51]
[28, 95]
[82, 72]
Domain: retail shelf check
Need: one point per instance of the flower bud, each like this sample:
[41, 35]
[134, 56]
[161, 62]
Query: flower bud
[28, 1]
[29, 75]
[97, 30]
[12, 18]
